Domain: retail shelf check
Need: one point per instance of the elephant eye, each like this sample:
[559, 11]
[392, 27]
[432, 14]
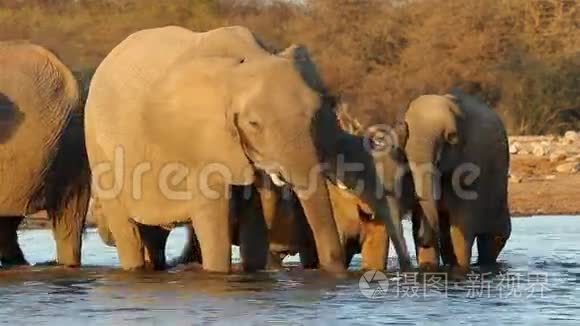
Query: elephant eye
[255, 124]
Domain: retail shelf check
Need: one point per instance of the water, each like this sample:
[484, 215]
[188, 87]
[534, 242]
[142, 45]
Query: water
[537, 282]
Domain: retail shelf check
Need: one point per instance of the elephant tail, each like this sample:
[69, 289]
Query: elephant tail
[68, 190]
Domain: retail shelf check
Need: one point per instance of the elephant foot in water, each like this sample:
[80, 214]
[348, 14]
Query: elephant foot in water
[10, 253]
[428, 259]
[274, 261]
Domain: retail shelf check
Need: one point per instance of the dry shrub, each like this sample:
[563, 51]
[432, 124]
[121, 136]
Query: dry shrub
[521, 56]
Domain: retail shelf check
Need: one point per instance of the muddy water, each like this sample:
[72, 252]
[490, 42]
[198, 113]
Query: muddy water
[537, 282]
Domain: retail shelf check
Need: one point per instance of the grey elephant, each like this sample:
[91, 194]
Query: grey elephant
[43, 161]
[458, 154]
[189, 114]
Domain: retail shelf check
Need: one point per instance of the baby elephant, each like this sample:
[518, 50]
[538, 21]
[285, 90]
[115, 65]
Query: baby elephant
[458, 154]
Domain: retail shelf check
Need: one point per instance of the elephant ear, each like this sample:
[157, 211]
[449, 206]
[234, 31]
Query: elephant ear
[452, 133]
[402, 132]
[298, 54]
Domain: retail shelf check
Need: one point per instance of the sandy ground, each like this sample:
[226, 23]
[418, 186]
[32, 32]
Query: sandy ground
[542, 191]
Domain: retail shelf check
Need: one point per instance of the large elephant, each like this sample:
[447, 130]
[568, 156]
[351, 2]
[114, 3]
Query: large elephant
[43, 162]
[457, 149]
[245, 205]
[206, 110]
[359, 231]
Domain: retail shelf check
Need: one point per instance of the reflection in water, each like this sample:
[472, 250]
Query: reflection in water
[536, 282]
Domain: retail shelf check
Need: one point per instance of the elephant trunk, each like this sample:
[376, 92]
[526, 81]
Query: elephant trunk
[362, 177]
[422, 156]
[314, 198]
[390, 216]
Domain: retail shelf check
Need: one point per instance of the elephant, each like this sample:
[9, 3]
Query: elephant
[359, 232]
[274, 210]
[458, 154]
[43, 160]
[246, 109]
[244, 205]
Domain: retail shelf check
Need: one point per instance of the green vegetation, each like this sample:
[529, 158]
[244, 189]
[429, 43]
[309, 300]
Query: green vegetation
[521, 56]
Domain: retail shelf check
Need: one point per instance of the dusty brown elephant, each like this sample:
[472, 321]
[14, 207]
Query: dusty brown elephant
[359, 231]
[287, 227]
[244, 108]
[458, 153]
[244, 205]
[43, 160]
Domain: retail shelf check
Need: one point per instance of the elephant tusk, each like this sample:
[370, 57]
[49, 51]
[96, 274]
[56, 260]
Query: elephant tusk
[277, 180]
[341, 185]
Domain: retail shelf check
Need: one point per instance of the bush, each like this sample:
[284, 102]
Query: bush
[521, 56]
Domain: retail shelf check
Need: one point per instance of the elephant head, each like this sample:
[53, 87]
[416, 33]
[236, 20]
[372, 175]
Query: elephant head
[276, 141]
[431, 131]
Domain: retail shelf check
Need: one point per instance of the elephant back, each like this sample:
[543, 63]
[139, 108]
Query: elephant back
[38, 97]
[128, 73]
[486, 146]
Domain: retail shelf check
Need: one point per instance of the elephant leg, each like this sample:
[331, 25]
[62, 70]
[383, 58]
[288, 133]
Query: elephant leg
[488, 248]
[445, 243]
[375, 245]
[305, 239]
[351, 248]
[253, 235]
[10, 252]
[68, 223]
[427, 252]
[212, 227]
[490, 245]
[462, 241]
[127, 237]
[308, 257]
[154, 239]
[191, 251]
[274, 261]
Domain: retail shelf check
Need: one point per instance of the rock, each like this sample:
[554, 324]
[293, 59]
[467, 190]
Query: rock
[515, 179]
[557, 156]
[545, 144]
[566, 141]
[550, 177]
[524, 152]
[539, 150]
[571, 135]
[570, 167]
[514, 148]
[572, 159]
